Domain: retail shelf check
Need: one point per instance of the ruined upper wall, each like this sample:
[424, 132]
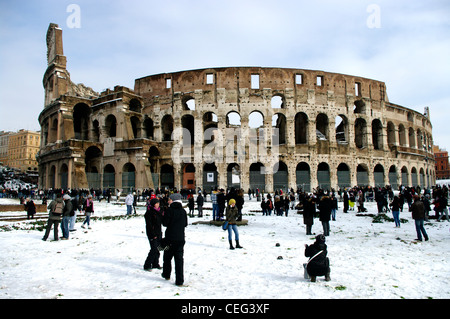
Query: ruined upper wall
[279, 80]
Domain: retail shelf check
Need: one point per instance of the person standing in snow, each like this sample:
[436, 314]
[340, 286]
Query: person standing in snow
[318, 263]
[309, 209]
[66, 216]
[55, 212]
[129, 202]
[30, 208]
[325, 213]
[395, 207]
[153, 217]
[200, 201]
[88, 207]
[232, 214]
[175, 220]
[418, 214]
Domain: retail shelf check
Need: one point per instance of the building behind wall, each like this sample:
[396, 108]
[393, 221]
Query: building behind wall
[247, 127]
[442, 164]
[19, 149]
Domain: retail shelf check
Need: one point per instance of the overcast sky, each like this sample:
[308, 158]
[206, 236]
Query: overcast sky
[405, 44]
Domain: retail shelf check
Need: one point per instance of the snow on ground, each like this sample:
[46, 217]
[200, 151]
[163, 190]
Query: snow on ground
[368, 260]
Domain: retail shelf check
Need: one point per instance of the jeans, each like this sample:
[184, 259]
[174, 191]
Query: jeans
[333, 214]
[129, 208]
[65, 226]
[420, 229]
[396, 218]
[235, 230]
[215, 208]
[88, 219]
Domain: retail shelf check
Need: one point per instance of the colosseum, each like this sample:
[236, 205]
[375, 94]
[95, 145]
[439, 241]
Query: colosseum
[248, 127]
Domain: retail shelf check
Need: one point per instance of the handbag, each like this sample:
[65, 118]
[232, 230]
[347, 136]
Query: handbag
[225, 225]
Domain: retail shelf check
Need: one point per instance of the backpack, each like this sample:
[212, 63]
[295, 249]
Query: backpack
[57, 210]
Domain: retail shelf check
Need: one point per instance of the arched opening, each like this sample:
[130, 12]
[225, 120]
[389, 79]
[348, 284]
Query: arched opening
[404, 176]
[167, 176]
[81, 121]
[322, 127]
[109, 177]
[64, 176]
[187, 122]
[189, 176]
[377, 134]
[257, 176]
[279, 126]
[378, 175]
[280, 176]
[93, 161]
[360, 133]
[136, 127]
[188, 103]
[301, 128]
[210, 126]
[362, 175]
[303, 176]
[135, 105]
[128, 178]
[234, 176]
[393, 177]
[323, 176]
[277, 101]
[210, 176]
[148, 128]
[402, 135]
[341, 129]
[414, 177]
[111, 126]
[167, 128]
[412, 138]
[391, 133]
[343, 175]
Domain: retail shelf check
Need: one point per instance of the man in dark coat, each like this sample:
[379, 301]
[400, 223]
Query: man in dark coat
[325, 213]
[175, 220]
[309, 209]
[318, 264]
[418, 214]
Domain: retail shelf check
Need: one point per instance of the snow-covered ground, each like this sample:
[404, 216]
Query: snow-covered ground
[368, 260]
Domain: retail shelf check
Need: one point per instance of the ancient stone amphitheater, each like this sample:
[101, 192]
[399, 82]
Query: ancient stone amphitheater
[247, 127]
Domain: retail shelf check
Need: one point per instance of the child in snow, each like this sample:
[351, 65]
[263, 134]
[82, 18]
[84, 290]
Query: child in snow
[318, 263]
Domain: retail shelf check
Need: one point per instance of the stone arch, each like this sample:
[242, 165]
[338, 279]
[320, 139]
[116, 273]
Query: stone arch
[81, 113]
[111, 126]
[166, 128]
[301, 128]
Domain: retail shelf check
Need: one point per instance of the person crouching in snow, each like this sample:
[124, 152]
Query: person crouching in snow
[318, 263]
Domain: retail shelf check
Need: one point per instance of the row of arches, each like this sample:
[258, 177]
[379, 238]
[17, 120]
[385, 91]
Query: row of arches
[143, 127]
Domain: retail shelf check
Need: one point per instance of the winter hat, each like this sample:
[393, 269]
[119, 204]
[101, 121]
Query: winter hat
[320, 238]
[153, 201]
[232, 202]
[66, 197]
[175, 197]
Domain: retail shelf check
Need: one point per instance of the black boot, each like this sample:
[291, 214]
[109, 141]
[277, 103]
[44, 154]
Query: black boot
[237, 244]
[231, 244]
